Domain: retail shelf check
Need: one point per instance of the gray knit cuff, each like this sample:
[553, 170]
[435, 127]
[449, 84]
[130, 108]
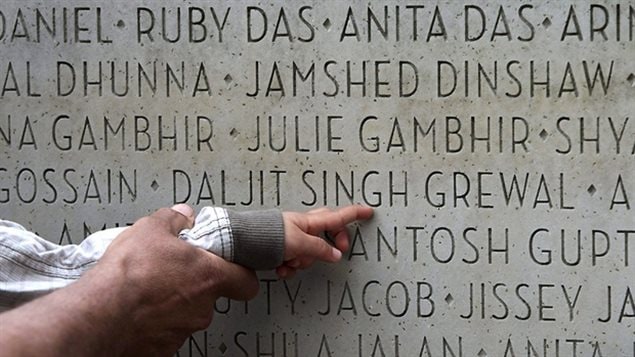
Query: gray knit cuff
[258, 238]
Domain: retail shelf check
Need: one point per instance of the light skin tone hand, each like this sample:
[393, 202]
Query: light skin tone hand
[151, 290]
[303, 246]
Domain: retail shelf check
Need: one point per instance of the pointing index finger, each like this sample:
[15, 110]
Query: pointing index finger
[334, 221]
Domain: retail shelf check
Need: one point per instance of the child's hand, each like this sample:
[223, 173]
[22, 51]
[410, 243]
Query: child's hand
[302, 244]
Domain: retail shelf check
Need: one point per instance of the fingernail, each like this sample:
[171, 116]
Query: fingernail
[184, 209]
[337, 254]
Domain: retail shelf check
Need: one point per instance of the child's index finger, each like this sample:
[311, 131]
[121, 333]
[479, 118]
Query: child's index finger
[352, 213]
[334, 221]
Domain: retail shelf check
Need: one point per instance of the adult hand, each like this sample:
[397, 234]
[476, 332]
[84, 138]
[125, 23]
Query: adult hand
[148, 293]
[303, 245]
[171, 286]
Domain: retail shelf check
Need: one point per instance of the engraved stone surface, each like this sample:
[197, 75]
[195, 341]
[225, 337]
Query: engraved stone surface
[495, 139]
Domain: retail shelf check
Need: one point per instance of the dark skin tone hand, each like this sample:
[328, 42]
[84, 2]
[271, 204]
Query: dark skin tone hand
[167, 316]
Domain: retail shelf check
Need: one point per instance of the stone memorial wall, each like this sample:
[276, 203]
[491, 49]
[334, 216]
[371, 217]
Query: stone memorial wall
[496, 141]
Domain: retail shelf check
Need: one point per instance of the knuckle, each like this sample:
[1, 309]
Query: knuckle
[148, 223]
[165, 211]
[145, 220]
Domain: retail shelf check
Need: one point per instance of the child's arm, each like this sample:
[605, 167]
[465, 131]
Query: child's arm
[263, 240]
